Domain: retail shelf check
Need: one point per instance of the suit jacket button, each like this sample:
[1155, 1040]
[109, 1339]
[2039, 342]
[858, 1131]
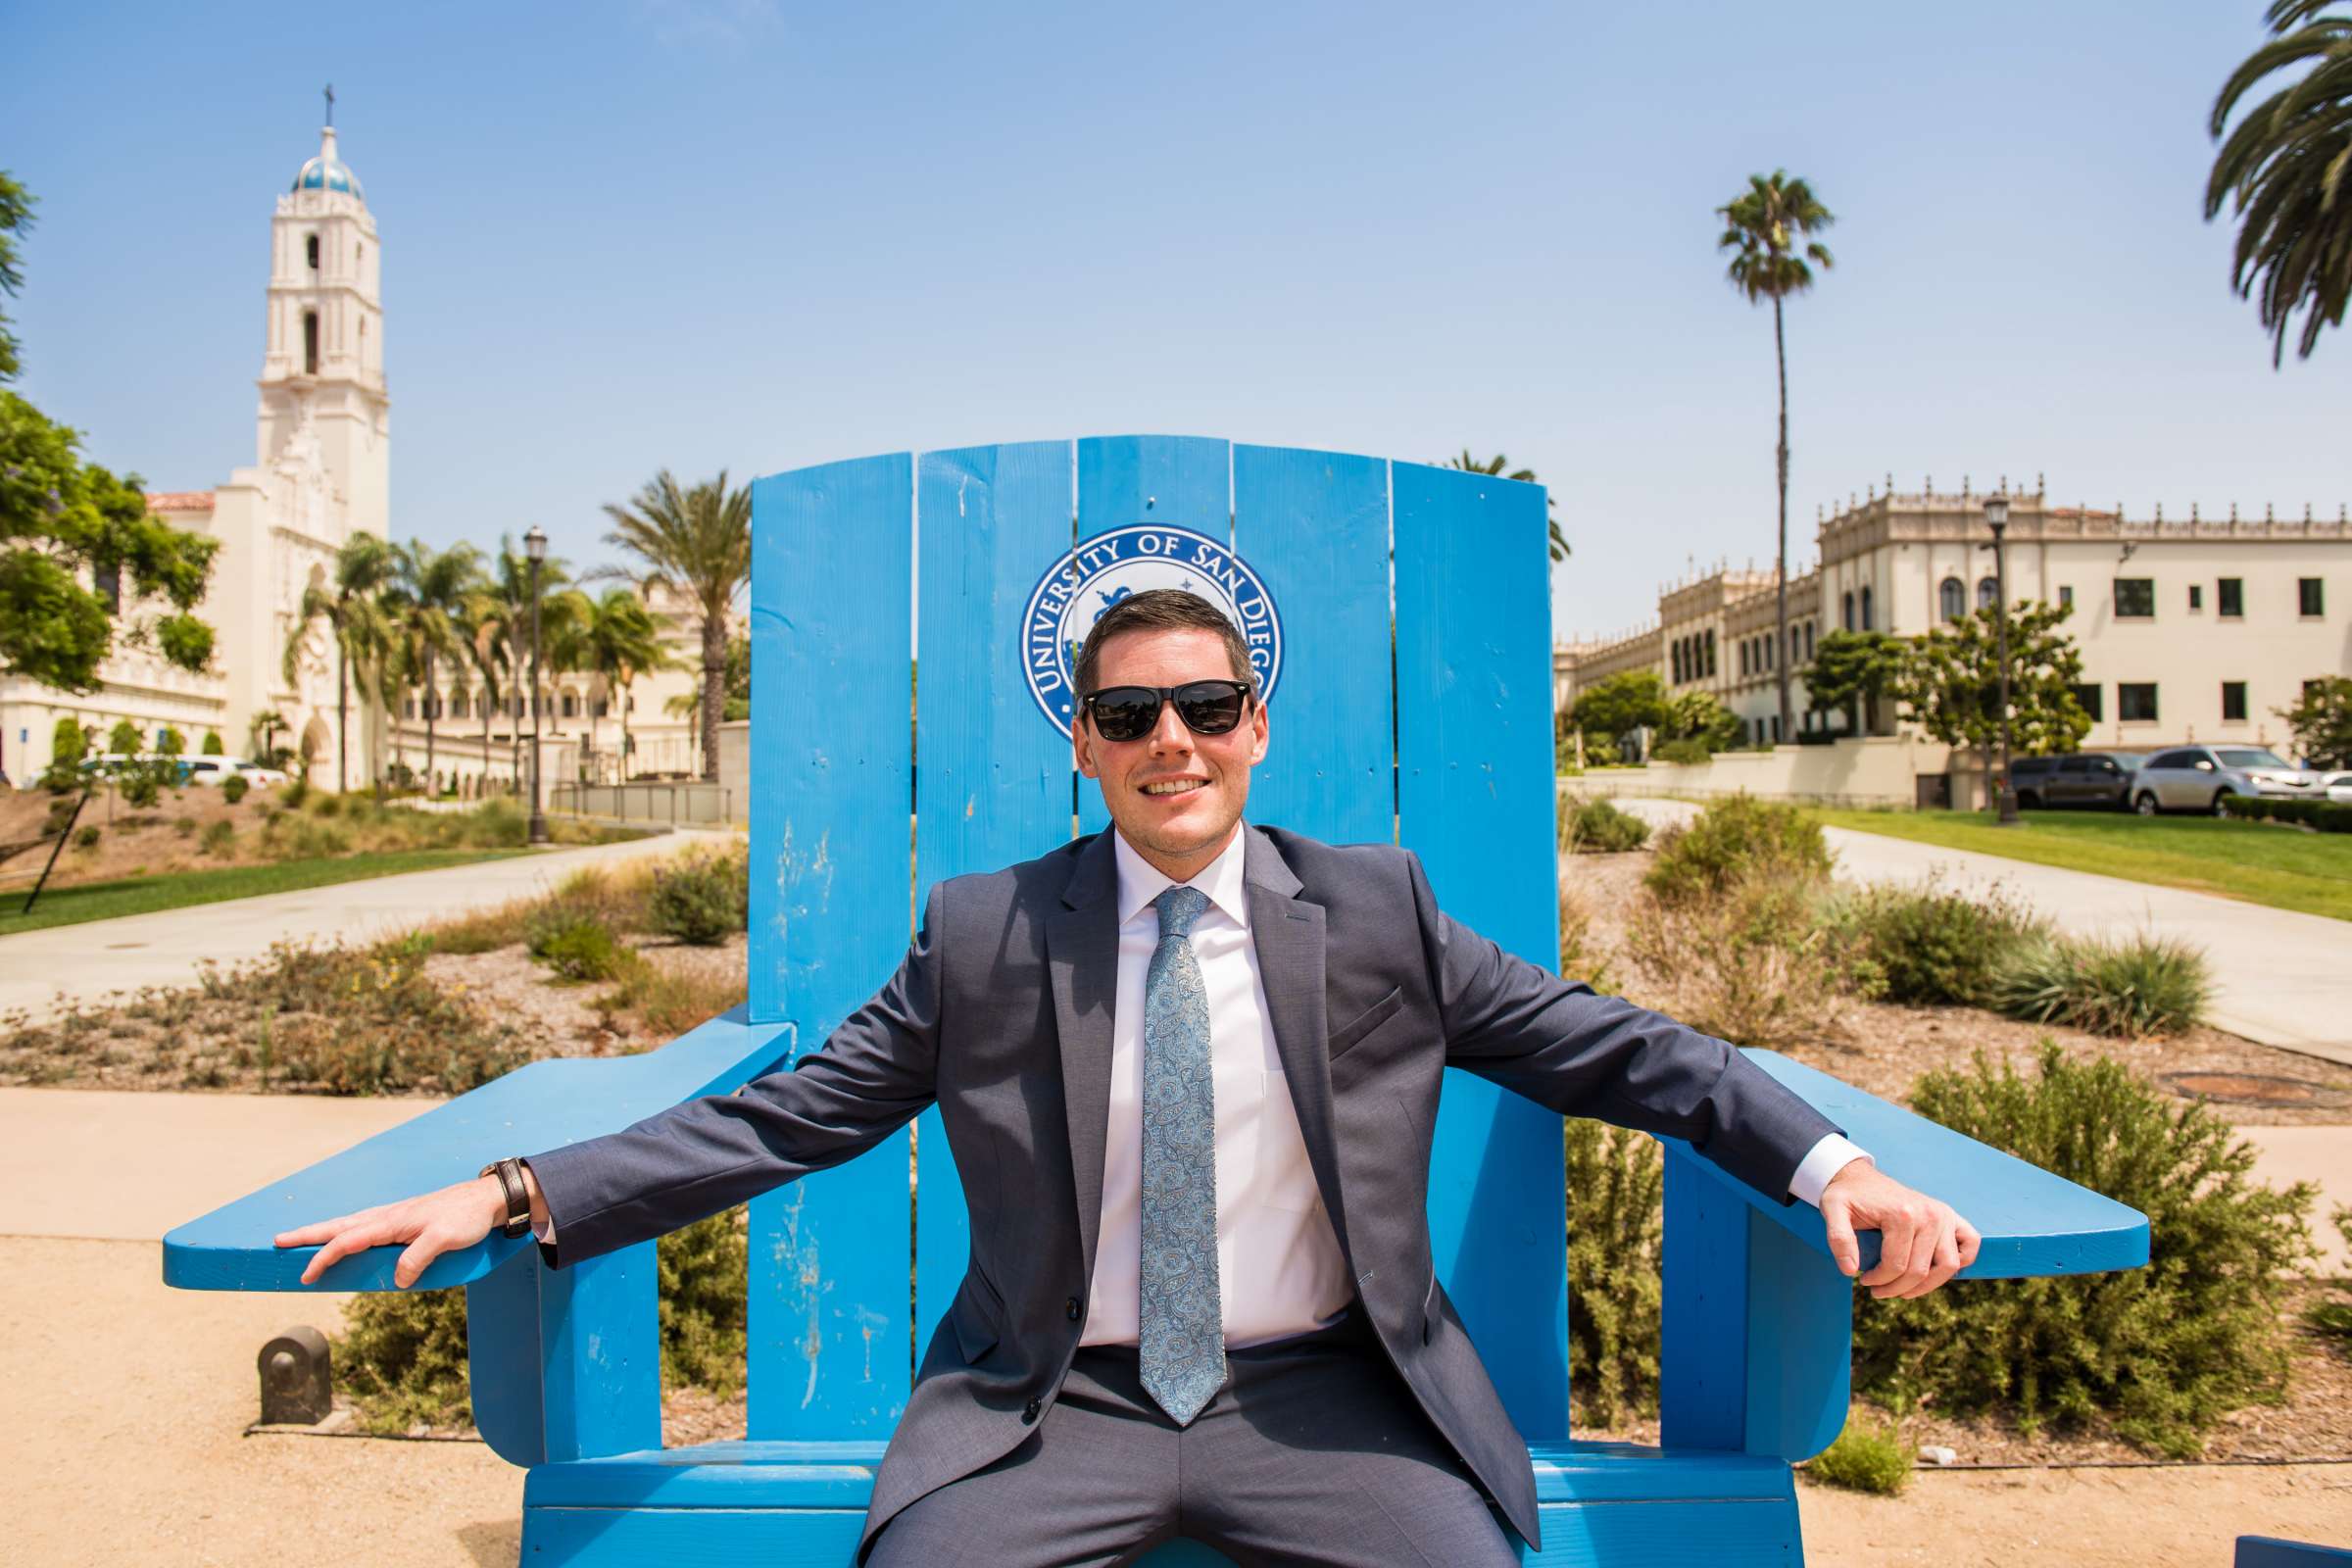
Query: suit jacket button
[1029, 1412]
[1070, 1309]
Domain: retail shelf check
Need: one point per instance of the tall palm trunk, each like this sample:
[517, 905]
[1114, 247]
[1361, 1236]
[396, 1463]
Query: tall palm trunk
[1780, 652]
[432, 783]
[485, 783]
[627, 699]
[714, 685]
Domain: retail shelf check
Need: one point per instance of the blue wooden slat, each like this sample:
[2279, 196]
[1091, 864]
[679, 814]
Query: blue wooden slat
[536, 1107]
[1702, 1329]
[1800, 1341]
[1183, 480]
[2270, 1551]
[832, 558]
[1474, 751]
[1314, 525]
[993, 780]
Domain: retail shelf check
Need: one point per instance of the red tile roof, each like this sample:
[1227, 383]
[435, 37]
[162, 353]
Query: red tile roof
[179, 500]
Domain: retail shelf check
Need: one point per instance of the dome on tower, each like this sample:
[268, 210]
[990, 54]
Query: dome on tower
[326, 171]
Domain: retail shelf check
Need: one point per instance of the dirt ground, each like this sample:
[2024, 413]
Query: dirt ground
[130, 842]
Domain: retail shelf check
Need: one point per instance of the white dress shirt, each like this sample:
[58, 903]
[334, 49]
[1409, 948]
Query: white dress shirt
[1279, 1267]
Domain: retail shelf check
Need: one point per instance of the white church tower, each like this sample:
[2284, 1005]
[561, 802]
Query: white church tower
[321, 470]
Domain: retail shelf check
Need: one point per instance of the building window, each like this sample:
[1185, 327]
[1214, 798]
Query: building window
[2135, 699]
[1710, 659]
[1849, 609]
[310, 342]
[2134, 597]
[2066, 593]
[2087, 698]
[597, 708]
[1808, 640]
[1866, 623]
[457, 705]
[314, 249]
[571, 705]
[1674, 661]
[2233, 702]
[407, 710]
[2230, 596]
[2196, 596]
[107, 581]
[1951, 599]
[2311, 597]
[1776, 729]
[1744, 659]
[1989, 590]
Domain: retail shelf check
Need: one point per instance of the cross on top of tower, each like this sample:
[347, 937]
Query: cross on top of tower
[330, 105]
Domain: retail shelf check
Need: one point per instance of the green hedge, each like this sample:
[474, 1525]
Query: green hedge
[2328, 817]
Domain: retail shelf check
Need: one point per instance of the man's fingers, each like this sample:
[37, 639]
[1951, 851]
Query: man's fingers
[1844, 1249]
[419, 1254]
[1970, 1242]
[312, 1234]
[1894, 1252]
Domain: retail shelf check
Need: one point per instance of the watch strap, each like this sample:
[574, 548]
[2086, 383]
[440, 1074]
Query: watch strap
[519, 1196]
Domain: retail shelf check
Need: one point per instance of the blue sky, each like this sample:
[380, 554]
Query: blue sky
[624, 235]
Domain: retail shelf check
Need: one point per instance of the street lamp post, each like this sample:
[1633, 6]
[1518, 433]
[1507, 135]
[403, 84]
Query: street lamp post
[1996, 517]
[534, 545]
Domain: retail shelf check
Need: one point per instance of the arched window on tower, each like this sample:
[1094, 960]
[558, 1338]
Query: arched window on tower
[1952, 599]
[310, 342]
[314, 250]
[1989, 589]
[1866, 625]
[1848, 608]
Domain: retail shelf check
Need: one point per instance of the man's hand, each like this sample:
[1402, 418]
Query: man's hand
[1922, 1241]
[431, 1224]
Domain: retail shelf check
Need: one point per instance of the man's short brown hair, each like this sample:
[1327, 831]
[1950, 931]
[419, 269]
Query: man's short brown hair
[1163, 610]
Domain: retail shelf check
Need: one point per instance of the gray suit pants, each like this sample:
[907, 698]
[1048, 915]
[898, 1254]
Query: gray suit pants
[1311, 1452]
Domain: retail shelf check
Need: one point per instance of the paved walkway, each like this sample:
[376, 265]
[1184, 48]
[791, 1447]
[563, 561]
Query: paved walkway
[39, 970]
[2280, 978]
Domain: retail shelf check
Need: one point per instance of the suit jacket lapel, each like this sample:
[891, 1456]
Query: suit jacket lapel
[1082, 961]
[1288, 933]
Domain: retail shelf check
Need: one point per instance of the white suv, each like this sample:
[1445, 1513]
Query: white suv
[2199, 778]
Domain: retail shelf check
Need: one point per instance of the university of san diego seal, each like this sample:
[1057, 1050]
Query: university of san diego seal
[1078, 588]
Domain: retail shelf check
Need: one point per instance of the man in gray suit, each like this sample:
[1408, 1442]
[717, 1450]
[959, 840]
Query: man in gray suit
[1190, 1070]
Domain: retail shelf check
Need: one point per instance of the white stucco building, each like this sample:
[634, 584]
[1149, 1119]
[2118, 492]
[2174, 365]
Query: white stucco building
[2190, 628]
[321, 472]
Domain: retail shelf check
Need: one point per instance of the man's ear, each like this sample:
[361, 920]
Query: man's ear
[1082, 751]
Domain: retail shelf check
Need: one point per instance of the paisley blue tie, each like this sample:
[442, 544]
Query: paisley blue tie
[1181, 1320]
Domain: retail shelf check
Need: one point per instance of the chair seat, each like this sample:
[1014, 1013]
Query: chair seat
[805, 1502]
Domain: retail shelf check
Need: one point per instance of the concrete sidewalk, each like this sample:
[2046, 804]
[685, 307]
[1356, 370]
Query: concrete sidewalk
[40, 970]
[2280, 978]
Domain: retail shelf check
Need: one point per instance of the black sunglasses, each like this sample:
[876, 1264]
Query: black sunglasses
[1129, 713]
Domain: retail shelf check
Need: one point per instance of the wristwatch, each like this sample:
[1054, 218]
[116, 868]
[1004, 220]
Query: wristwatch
[519, 1196]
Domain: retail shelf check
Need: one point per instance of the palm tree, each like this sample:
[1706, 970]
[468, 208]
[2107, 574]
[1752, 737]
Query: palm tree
[478, 625]
[502, 617]
[1763, 226]
[1496, 465]
[348, 603]
[617, 638]
[696, 542]
[2288, 164]
[426, 604]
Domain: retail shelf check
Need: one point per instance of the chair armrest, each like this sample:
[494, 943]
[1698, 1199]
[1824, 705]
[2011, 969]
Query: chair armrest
[1758, 1320]
[540, 1105]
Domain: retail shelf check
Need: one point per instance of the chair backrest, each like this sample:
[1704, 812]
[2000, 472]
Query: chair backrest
[1437, 735]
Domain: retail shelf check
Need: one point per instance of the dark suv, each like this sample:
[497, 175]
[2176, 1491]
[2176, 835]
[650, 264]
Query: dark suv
[2101, 780]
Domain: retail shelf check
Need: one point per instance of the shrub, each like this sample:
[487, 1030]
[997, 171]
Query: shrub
[670, 1000]
[85, 837]
[2334, 1317]
[234, 787]
[294, 793]
[184, 826]
[701, 899]
[704, 1286]
[219, 839]
[1753, 962]
[1731, 836]
[1597, 827]
[139, 785]
[1930, 945]
[2164, 1351]
[576, 946]
[2147, 985]
[1866, 1458]
[1616, 1189]
[1685, 751]
[402, 1358]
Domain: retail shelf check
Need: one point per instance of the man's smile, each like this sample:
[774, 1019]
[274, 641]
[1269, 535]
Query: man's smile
[1174, 786]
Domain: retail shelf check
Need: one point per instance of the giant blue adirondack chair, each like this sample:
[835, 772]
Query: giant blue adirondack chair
[1440, 739]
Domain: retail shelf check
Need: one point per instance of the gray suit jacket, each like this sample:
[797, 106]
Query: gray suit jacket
[1002, 1013]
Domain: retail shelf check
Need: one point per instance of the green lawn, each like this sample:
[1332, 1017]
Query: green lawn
[2257, 862]
[143, 895]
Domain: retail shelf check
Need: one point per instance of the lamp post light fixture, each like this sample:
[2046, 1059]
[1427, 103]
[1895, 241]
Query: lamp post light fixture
[1996, 517]
[534, 545]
